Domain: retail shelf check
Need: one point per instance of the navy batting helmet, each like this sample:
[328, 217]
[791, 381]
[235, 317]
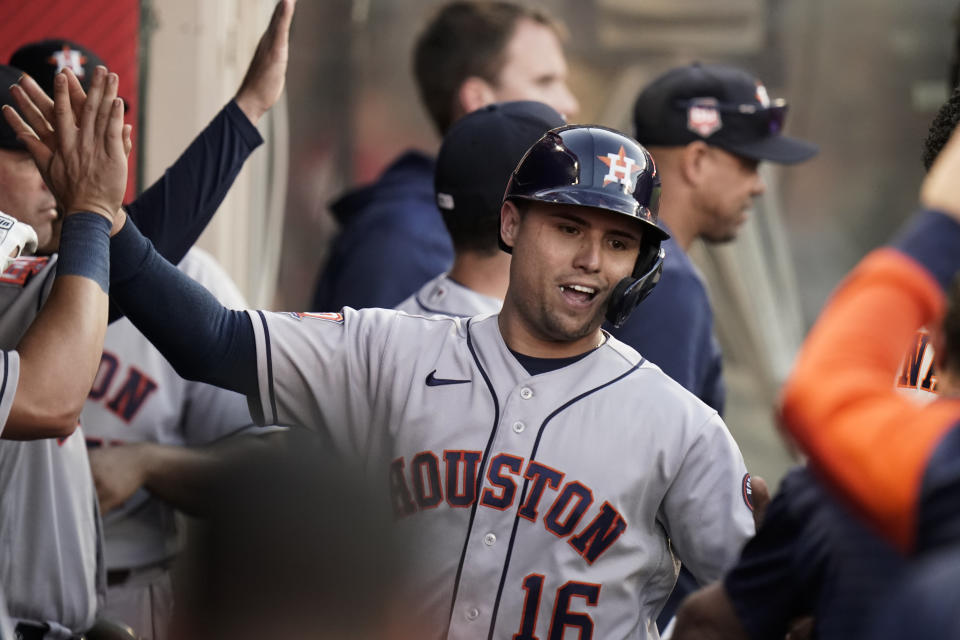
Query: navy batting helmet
[593, 166]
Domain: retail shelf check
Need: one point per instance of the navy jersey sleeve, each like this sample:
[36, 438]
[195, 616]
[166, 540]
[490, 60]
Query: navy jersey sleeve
[175, 210]
[201, 338]
[673, 328]
[780, 570]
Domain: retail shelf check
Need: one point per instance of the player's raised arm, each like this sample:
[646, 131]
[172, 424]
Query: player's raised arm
[874, 446]
[85, 166]
[175, 210]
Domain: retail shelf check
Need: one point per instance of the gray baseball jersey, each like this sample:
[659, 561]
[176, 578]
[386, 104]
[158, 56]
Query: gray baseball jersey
[443, 296]
[533, 506]
[50, 559]
[137, 396]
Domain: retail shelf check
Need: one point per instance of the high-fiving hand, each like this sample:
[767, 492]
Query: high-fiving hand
[79, 143]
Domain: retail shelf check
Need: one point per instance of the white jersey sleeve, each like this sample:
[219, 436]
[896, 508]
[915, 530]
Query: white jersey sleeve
[707, 511]
[316, 369]
[9, 377]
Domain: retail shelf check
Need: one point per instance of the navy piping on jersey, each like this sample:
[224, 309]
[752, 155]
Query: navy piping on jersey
[526, 483]
[6, 375]
[480, 472]
[273, 393]
[426, 308]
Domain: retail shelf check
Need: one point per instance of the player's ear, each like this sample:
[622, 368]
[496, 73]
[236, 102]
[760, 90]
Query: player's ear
[509, 223]
[694, 161]
[474, 93]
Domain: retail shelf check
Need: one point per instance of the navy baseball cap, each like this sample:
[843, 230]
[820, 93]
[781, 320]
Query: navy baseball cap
[8, 139]
[724, 106]
[46, 58]
[481, 150]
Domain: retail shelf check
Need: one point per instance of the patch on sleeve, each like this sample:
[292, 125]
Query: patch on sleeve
[329, 317]
[747, 491]
[22, 269]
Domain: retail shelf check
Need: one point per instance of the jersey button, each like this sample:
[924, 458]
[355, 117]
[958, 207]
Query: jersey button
[489, 539]
[526, 393]
[518, 427]
[472, 614]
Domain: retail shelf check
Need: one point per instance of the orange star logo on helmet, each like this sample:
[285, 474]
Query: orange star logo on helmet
[622, 168]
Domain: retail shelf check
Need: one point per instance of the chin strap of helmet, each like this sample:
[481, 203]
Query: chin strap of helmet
[631, 290]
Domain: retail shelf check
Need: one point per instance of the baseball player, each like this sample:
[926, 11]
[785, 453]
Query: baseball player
[470, 54]
[708, 127]
[86, 170]
[137, 397]
[57, 592]
[827, 563]
[544, 476]
[476, 159]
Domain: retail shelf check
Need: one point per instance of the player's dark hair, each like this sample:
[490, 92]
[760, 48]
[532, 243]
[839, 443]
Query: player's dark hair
[474, 232]
[464, 39]
[943, 125]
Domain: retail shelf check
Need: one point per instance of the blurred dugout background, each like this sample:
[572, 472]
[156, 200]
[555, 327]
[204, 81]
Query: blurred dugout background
[863, 78]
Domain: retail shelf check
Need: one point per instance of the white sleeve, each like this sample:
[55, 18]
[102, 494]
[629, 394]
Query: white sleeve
[9, 377]
[706, 510]
[319, 370]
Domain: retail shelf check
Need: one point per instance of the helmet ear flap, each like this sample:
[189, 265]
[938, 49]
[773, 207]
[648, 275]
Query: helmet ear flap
[631, 291]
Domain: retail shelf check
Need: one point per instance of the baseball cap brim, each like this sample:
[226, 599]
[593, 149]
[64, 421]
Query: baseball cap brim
[779, 149]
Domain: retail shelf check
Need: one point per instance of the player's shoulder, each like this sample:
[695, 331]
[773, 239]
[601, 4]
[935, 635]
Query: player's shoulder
[22, 270]
[652, 390]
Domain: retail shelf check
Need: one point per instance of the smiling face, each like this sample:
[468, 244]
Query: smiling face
[566, 262]
[24, 196]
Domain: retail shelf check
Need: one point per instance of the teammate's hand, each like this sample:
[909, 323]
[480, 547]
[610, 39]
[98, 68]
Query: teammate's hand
[760, 498]
[263, 83]
[83, 163]
[117, 473]
[941, 189]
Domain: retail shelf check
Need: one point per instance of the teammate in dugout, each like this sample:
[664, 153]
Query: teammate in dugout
[543, 474]
[476, 159]
[810, 555]
[471, 54]
[708, 128]
[47, 496]
[86, 166]
[137, 396]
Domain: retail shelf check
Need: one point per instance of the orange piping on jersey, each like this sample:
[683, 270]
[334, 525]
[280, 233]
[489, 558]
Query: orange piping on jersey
[868, 441]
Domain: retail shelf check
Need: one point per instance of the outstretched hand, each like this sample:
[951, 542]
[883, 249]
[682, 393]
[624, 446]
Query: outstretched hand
[79, 143]
[265, 77]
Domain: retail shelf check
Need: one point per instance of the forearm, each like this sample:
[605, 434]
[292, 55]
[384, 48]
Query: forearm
[174, 211]
[708, 615]
[201, 338]
[60, 352]
[188, 478]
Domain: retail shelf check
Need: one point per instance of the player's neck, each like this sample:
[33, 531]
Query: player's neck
[521, 338]
[486, 274]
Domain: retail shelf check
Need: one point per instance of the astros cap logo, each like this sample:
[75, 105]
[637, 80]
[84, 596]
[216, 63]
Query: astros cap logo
[622, 168]
[67, 58]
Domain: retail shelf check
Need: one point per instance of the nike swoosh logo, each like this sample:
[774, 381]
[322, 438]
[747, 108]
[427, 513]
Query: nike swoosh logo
[438, 382]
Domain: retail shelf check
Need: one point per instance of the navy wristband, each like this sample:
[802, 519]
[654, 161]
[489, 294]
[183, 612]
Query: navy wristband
[85, 248]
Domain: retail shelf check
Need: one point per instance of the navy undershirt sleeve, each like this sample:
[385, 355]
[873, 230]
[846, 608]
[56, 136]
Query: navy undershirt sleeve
[201, 338]
[174, 211]
[931, 239]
